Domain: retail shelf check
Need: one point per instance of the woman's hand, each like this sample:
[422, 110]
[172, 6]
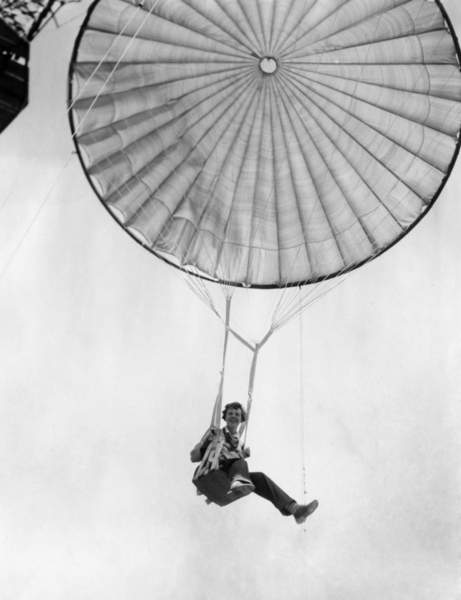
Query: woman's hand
[246, 452]
[196, 454]
[212, 432]
[198, 450]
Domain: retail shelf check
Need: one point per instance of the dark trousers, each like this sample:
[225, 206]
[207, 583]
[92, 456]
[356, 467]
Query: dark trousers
[264, 486]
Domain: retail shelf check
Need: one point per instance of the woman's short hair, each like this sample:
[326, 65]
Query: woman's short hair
[234, 405]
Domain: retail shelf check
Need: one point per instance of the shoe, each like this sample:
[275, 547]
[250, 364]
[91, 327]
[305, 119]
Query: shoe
[304, 510]
[241, 487]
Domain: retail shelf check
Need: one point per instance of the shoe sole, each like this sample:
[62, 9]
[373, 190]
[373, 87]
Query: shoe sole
[242, 490]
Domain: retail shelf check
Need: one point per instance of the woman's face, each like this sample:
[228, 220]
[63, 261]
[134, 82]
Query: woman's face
[233, 417]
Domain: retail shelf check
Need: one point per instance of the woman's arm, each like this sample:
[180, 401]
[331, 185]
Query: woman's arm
[198, 450]
[196, 453]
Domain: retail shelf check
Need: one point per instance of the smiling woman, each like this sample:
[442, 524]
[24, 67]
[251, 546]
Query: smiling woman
[223, 475]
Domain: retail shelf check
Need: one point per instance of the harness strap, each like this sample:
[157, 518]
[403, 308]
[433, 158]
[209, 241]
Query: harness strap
[216, 415]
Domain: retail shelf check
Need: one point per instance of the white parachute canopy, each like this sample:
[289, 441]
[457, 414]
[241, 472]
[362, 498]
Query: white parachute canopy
[267, 142]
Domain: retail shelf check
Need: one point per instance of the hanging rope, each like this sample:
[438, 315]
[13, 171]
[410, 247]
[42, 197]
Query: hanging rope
[301, 403]
[102, 60]
[115, 67]
[216, 415]
[244, 427]
[210, 460]
[34, 219]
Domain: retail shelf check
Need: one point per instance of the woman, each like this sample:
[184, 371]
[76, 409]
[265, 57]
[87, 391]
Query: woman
[222, 449]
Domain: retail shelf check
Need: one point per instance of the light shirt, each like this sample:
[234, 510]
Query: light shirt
[232, 448]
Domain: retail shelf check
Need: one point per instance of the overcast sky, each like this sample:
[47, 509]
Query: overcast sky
[109, 369]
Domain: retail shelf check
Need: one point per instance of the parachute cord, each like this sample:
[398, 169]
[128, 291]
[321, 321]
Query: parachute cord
[9, 195]
[307, 300]
[114, 68]
[251, 380]
[301, 405]
[102, 60]
[34, 219]
[216, 415]
[202, 293]
[315, 293]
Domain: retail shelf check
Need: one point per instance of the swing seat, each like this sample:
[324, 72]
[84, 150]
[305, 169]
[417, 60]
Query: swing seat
[215, 485]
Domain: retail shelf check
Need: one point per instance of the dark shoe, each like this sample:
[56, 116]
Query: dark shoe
[304, 510]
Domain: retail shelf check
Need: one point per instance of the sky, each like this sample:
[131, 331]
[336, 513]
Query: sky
[110, 367]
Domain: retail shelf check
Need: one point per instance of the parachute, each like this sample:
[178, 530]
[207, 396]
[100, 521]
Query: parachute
[266, 143]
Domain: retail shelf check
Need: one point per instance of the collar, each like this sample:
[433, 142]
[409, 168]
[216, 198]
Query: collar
[226, 430]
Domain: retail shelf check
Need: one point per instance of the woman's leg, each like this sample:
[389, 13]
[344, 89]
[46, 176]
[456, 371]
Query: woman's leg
[266, 488]
[237, 468]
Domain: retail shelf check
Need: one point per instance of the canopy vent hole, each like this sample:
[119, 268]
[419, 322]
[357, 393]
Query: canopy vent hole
[268, 65]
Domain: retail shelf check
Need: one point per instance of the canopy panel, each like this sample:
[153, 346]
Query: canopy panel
[266, 142]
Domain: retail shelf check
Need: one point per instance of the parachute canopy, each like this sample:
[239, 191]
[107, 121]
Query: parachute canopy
[266, 142]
